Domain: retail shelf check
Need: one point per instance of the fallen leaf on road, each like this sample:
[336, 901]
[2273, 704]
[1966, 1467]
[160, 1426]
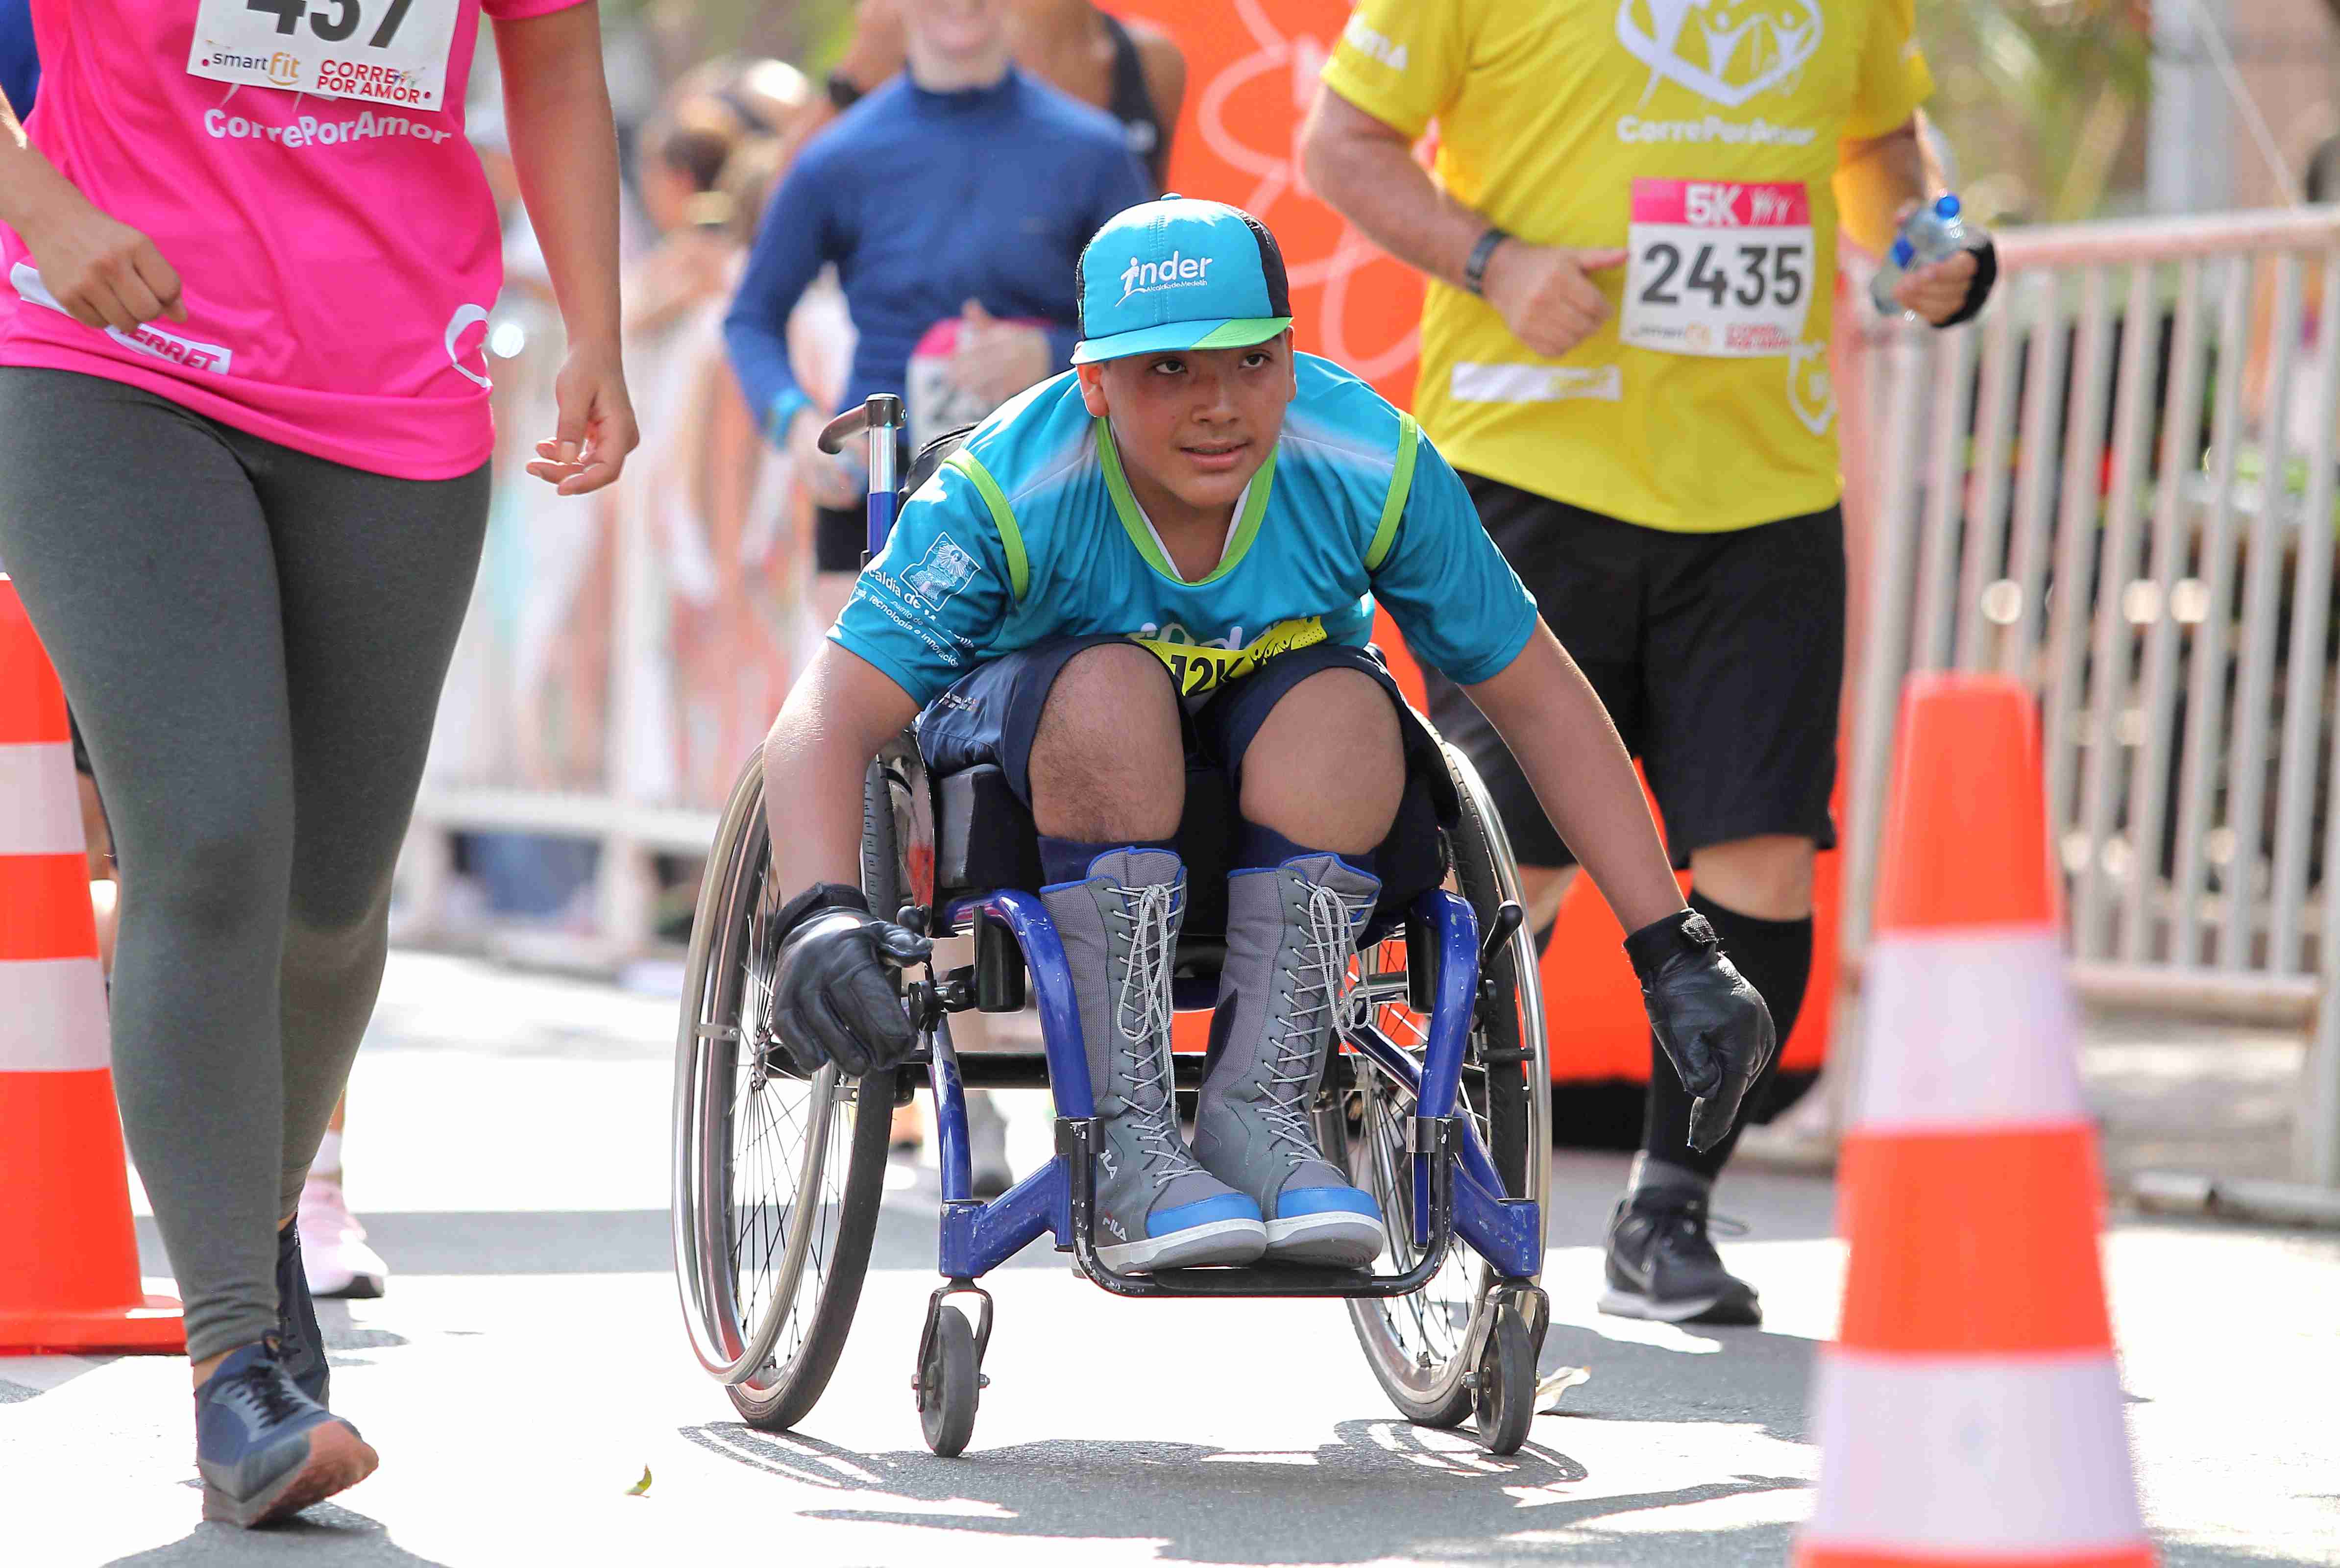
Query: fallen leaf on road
[1550, 1388]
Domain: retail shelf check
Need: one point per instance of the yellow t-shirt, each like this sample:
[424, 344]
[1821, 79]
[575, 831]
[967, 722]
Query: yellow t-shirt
[1702, 132]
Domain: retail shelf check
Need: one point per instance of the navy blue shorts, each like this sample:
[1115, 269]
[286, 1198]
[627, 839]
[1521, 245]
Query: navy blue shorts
[990, 716]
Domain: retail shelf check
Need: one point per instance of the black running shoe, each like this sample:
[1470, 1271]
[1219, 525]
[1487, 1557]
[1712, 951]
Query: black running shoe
[266, 1450]
[1661, 1265]
[302, 1348]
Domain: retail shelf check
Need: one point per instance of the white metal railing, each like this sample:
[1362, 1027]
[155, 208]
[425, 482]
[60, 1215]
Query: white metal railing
[2118, 485]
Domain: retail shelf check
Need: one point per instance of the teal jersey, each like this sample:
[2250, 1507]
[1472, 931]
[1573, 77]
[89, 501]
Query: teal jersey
[1029, 534]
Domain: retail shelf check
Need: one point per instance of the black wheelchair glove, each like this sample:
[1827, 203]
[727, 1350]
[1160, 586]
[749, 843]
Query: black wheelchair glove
[834, 996]
[1713, 1025]
[1985, 274]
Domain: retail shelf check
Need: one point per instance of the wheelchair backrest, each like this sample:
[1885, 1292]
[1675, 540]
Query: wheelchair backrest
[932, 456]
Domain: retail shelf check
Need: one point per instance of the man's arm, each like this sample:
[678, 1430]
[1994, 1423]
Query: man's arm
[1548, 714]
[1163, 65]
[1878, 181]
[789, 249]
[837, 715]
[1365, 169]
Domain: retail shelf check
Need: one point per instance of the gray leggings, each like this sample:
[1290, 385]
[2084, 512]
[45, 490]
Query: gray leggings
[250, 637]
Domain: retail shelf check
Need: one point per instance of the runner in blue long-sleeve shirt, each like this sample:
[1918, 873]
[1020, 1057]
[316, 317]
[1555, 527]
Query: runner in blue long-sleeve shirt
[954, 203]
[20, 65]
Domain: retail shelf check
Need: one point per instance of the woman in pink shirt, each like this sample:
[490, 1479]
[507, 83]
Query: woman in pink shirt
[243, 477]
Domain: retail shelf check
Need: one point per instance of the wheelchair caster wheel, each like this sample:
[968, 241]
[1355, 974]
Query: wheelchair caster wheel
[1503, 1397]
[949, 1383]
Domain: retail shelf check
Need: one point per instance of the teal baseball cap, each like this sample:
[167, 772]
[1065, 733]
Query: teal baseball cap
[1179, 274]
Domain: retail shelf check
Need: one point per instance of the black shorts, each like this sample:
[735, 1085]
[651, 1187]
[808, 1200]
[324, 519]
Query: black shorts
[840, 538]
[991, 715]
[840, 534]
[1719, 657]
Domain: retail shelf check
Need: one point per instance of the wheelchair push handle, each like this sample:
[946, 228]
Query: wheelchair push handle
[881, 411]
[880, 416]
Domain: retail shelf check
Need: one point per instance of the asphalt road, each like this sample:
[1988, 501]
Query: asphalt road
[508, 1148]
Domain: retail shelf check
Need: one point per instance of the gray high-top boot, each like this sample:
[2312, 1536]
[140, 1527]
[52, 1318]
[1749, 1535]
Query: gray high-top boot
[1157, 1208]
[1290, 932]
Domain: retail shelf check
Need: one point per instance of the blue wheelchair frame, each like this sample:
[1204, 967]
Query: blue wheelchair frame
[1457, 1188]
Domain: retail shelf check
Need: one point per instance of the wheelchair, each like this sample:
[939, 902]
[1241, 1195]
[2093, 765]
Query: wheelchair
[1436, 1099]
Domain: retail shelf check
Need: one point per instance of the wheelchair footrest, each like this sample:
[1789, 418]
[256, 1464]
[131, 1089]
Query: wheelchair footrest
[1077, 1140]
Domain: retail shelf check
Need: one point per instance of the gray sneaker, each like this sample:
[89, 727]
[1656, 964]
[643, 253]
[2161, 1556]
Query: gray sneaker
[1157, 1208]
[1291, 933]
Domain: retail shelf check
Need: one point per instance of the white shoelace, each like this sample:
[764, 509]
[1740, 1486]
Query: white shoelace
[1323, 969]
[1144, 1014]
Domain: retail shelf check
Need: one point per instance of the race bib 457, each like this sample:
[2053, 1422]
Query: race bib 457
[375, 51]
[1717, 269]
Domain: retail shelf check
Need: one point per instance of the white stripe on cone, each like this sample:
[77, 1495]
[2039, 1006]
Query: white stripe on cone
[40, 804]
[1943, 1456]
[52, 1016]
[1969, 1029]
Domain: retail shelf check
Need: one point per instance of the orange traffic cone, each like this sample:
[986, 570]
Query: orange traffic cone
[1969, 1412]
[68, 1257]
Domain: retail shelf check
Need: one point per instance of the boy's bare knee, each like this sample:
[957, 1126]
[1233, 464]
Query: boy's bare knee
[1327, 767]
[1109, 759]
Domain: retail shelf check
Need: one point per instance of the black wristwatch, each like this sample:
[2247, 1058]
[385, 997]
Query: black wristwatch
[1475, 270]
[813, 899]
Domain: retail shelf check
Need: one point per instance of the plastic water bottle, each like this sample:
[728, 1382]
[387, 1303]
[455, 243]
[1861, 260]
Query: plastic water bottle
[1934, 232]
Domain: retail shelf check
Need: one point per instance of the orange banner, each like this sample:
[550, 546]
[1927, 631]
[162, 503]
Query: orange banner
[1251, 74]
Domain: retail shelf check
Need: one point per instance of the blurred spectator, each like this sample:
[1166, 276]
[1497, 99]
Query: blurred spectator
[957, 197]
[728, 603]
[1131, 70]
[953, 203]
[20, 67]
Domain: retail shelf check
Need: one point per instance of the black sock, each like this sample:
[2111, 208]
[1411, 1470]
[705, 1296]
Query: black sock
[1776, 957]
[1258, 847]
[1066, 860]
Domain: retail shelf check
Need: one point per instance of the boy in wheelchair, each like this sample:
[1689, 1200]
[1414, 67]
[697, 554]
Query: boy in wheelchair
[1145, 586]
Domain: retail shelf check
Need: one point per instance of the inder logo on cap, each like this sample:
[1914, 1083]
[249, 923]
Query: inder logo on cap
[1171, 275]
[1173, 271]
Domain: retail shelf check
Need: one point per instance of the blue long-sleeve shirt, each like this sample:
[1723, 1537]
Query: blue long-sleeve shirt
[925, 201]
[20, 67]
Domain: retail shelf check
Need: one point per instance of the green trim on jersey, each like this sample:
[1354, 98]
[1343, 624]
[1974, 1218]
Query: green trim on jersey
[1409, 437]
[1133, 517]
[1011, 537]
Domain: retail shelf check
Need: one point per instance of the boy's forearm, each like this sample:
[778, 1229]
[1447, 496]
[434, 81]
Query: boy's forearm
[564, 143]
[835, 720]
[1550, 717]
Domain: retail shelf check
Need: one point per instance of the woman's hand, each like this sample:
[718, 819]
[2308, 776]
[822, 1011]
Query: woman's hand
[997, 359]
[596, 430]
[105, 273]
[834, 480]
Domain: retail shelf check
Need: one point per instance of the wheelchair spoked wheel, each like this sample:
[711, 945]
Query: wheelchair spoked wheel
[777, 1178]
[1434, 1351]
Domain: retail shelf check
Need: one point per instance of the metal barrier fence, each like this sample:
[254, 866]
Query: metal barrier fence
[2117, 486]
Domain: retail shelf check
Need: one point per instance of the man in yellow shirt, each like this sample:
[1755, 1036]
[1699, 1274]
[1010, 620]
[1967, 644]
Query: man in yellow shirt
[1631, 243]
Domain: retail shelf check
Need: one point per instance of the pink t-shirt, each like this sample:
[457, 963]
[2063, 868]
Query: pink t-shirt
[338, 257]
